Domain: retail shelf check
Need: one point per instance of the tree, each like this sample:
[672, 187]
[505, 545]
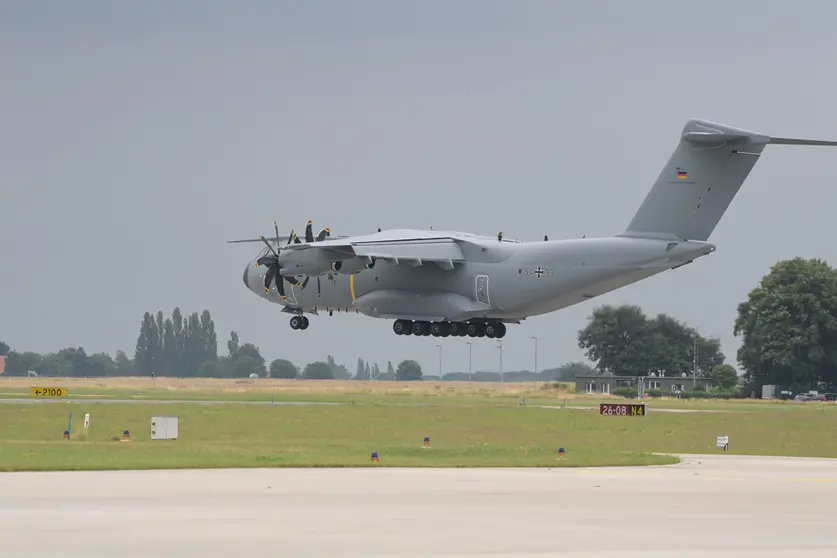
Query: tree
[318, 371]
[248, 349]
[408, 370]
[245, 366]
[4, 349]
[281, 368]
[359, 373]
[615, 340]
[124, 366]
[19, 364]
[375, 371]
[338, 371]
[788, 326]
[568, 372]
[232, 344]
[209, 369]
[724, 376]
[623, 341]
[146, 348]
[100, 365]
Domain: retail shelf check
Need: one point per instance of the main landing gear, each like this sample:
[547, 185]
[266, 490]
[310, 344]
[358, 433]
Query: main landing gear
[299, 322]
[472, 328]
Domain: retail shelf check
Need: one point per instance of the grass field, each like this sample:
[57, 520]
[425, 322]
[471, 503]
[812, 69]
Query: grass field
[372, 392]
[470, 425]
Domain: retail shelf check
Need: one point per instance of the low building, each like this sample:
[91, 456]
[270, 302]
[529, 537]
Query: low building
[606, 384]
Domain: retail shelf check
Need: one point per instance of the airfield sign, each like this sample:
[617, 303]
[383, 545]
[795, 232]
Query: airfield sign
[49, 392]
[622, 409]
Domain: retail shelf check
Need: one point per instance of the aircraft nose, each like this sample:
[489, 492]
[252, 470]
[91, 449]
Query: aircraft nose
[246, 275]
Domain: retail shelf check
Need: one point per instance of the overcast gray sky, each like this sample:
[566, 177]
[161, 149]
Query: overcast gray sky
[135, 140]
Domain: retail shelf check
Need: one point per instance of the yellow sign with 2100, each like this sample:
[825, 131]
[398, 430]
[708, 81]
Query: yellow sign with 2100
[49, 392]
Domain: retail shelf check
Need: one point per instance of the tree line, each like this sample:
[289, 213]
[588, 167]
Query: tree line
[787, 326]
[187, 346]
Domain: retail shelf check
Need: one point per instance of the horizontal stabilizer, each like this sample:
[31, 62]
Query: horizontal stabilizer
[795, 141]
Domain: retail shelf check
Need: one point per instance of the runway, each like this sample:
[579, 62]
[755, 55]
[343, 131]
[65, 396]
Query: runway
[721, 506]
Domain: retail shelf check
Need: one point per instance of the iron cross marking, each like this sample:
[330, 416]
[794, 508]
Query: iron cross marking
[538, 271]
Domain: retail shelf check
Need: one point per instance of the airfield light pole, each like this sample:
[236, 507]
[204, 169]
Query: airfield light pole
[536, 356]
[440, 362]
[470, 346]
[694, 363]
[502, 377]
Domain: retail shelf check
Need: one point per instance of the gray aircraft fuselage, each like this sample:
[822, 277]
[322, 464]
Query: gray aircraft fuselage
[513, 279]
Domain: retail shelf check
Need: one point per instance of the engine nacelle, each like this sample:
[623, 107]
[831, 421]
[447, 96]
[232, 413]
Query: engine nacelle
[304, 262]
[352, 265]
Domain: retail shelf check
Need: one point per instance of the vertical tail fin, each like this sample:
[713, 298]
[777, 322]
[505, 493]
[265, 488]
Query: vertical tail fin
[702, 176]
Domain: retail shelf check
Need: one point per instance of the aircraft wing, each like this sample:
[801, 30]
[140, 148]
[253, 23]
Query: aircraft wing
[399, 247]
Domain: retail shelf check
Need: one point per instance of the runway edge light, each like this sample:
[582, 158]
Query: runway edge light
[126, 436]
[561, 452]
[375, 457]
[427, 441]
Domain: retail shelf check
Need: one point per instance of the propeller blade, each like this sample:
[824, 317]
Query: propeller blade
[281, 288]
[296, 239]
[263, 239]
[276, 228]
[271, 272]
[265, 260]
[309, 235]
[322, 234]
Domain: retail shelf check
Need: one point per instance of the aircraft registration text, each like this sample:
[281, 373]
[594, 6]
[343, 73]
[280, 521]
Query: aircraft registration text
[537, 271]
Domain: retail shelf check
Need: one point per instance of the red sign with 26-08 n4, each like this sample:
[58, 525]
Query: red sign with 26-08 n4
[622, 409]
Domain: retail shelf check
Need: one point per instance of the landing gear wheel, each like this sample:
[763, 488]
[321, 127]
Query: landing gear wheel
[304, 323]
[401, 327]
[296, 322]
[476, 329]
[440, 329]
[501, 330]
[419, 328]
[490, 330]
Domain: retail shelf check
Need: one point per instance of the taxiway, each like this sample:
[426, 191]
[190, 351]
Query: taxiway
[718, 505]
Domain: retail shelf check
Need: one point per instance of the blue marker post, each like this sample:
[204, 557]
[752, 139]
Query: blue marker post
[427, 441]
[374, 457]
[561, 452]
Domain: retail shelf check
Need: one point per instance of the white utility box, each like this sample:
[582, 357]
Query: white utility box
[164, 428]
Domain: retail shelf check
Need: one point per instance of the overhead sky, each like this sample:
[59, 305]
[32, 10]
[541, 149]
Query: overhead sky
[137, 138]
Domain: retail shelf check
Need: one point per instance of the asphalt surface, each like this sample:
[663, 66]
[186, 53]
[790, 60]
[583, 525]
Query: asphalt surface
[720, 506]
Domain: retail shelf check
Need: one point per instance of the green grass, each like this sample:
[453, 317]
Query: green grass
[431, 397]
[345, 435]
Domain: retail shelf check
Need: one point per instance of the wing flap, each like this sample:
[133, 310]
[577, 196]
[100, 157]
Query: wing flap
[434, 250]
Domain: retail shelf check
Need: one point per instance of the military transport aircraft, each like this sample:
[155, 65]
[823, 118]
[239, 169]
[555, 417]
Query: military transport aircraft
[456, 284]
